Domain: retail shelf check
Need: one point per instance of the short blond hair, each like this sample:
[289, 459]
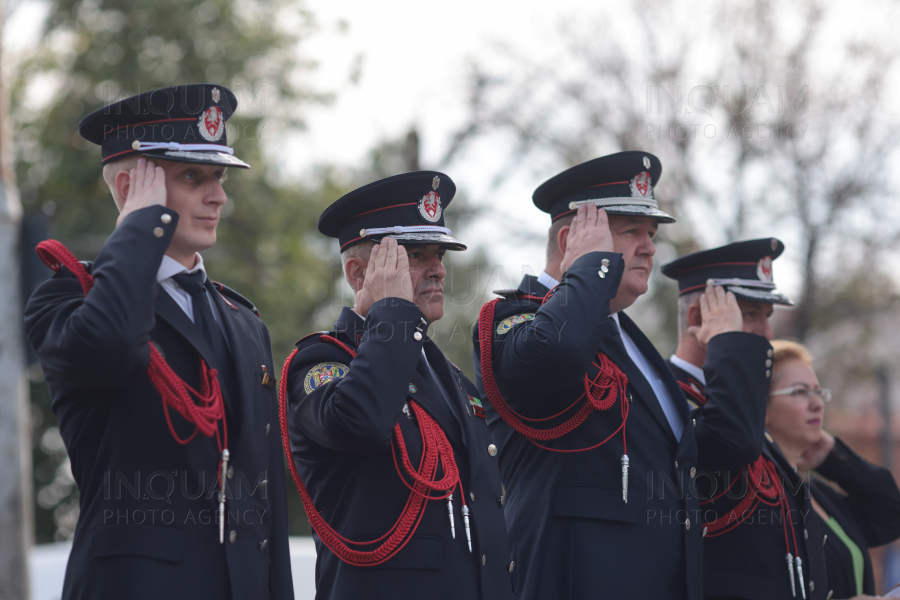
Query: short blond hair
[785, 350]
[112, 169]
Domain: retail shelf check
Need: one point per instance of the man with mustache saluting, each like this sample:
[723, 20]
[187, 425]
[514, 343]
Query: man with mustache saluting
[598, 452]
[389, 445]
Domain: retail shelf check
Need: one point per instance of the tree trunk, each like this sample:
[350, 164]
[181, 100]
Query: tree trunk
[16, 517]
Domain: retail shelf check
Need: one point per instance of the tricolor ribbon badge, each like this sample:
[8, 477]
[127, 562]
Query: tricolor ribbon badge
[477, 407]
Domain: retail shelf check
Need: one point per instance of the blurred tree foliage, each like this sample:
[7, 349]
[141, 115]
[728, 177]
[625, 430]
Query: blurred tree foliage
[763, 128]
[93, 52]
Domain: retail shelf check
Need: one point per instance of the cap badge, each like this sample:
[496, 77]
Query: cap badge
[430, 207]
[646, 160]
[764, 269]
[216, 95]
[211, 124]
[436, 182]
[774, 244]
[640, 186]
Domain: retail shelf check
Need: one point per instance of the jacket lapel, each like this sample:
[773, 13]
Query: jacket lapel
[171, 313]
[636, 379]
[428, 395]
[237, 334]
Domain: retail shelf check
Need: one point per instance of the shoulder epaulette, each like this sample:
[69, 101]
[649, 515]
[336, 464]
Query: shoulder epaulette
[228, 293]
[309, 336]
[508, 293]
[64, 272]
[517, 294]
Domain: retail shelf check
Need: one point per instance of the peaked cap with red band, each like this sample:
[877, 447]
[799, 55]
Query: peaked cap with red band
[408, 207]
[743, 268]
[184, 123]
[621, 184]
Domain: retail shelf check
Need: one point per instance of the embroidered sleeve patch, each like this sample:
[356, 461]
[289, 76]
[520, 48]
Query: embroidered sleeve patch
[322, 373]
[506, 324]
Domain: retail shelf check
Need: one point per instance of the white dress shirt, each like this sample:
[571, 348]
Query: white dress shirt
[547, 281]
[692, 370]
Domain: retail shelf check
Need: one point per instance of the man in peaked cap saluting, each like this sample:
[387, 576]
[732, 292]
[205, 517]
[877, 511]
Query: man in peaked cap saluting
[391, 450]
[758, 542]
[598, 452]
[142, 351]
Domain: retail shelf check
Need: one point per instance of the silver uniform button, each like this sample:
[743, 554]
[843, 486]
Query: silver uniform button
[768, 362]
[605, 262]
[230, 472]
[263, 484]
[263, 544]
[232, 536]
[676, 464]
[693, 472]
[492, 450]
[472, 496]
[601, 274]
[770, 353]
[500, 501]
[166, 218]
[824, 539]
[805, 534]
[158, 232]
[268, 428]
[512, 565]
[417, 336]
[812, 586]
[483, 559]
[605, 269]
[768, 373]
[687, 524]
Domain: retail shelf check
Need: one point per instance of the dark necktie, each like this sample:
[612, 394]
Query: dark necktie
[192, 283]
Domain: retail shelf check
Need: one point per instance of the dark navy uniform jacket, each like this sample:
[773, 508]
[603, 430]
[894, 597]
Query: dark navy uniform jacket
[147, 526]
[868, 511]
[341, 416]
[749, 561]
[572, 535]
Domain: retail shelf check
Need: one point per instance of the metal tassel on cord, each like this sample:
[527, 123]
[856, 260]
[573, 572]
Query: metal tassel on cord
[222, 476]
[465, 512]
[625, 478]
[790, 565]
[450, 512]
[800, 576]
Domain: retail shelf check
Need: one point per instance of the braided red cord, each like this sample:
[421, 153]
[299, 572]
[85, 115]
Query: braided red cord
[688, 389]
[601, 392]
[436, 451]
[764, 487]
[209, 410]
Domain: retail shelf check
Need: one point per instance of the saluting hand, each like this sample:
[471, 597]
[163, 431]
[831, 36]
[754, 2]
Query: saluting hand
[387, 276]
[146, 187]
[589, 232]
[720, 313]
[816, 454]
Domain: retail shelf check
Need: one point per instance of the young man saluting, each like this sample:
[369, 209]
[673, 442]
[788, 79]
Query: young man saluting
[161, 378]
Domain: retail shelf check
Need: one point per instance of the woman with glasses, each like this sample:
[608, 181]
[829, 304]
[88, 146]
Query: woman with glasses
[867, 512]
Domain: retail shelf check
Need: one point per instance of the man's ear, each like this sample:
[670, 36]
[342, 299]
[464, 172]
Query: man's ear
[123, 184]
[562, 239]
[695, 316]
[355, 272]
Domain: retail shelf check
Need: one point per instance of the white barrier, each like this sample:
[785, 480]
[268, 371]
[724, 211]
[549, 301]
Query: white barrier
[47, 564]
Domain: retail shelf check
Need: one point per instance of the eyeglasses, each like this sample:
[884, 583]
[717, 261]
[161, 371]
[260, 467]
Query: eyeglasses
[796, 392]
